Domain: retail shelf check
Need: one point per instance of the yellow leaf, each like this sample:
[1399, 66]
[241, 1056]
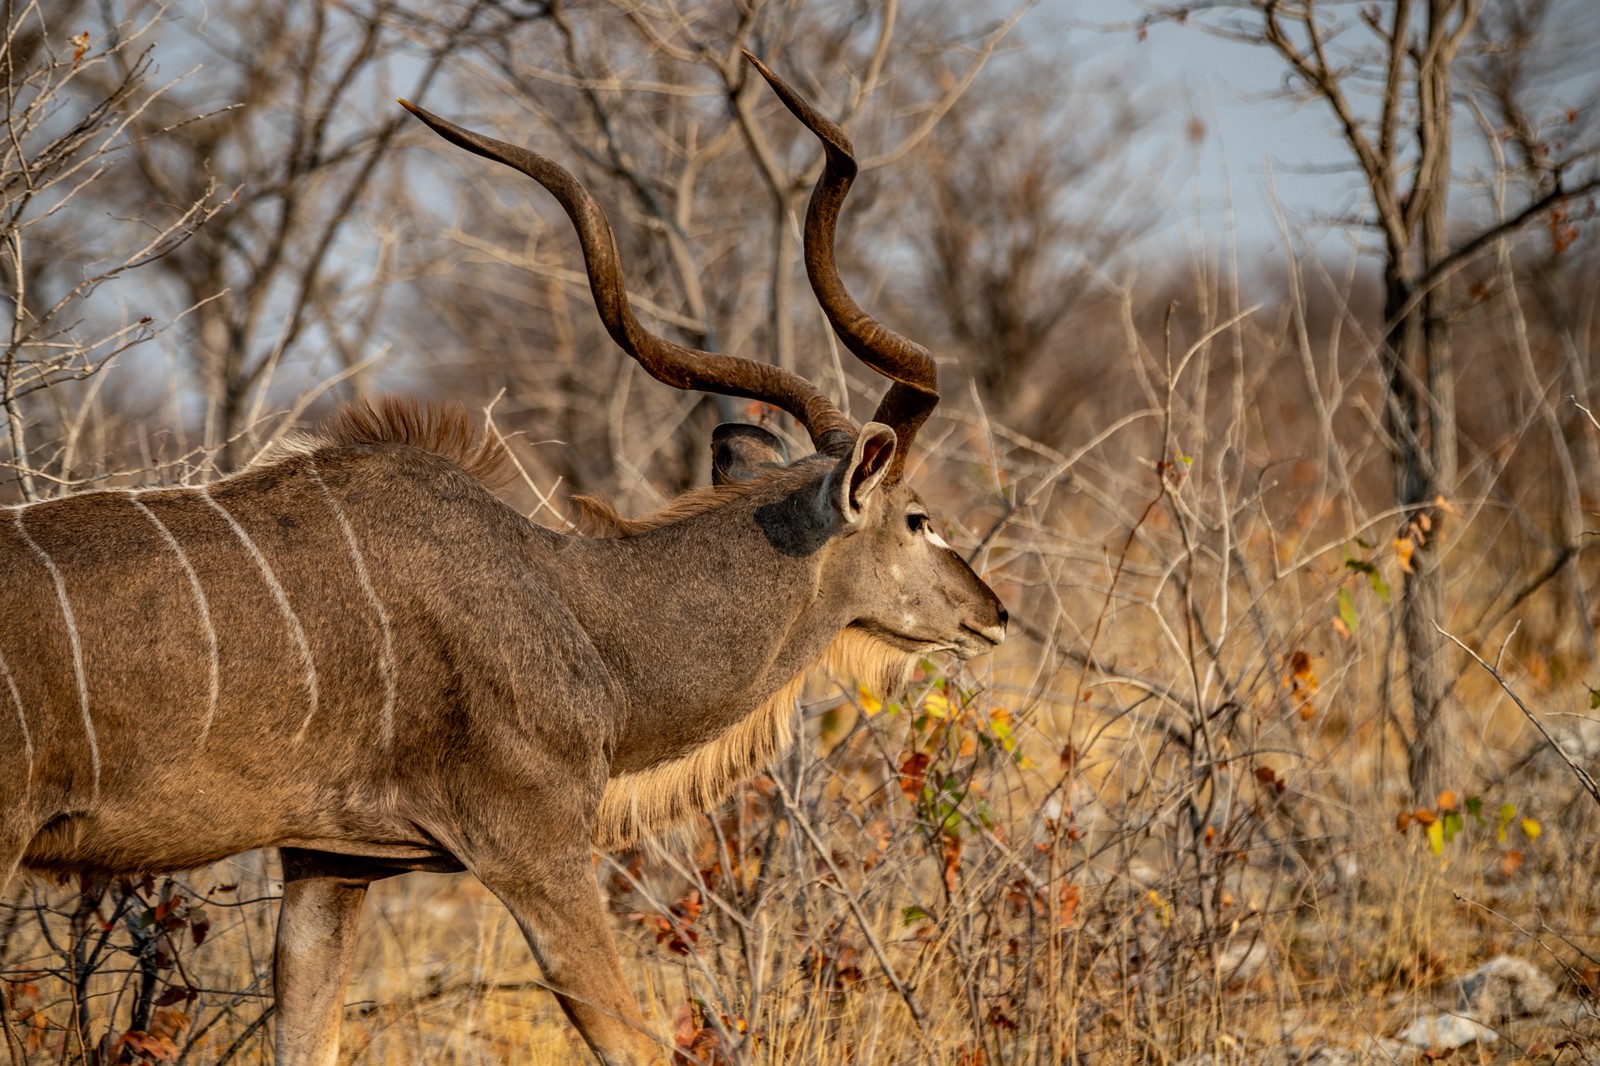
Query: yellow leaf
[1436, 838]
[936, 705]
[1531, 829]
[1403, 547]
[870, 704]
[1163, 912]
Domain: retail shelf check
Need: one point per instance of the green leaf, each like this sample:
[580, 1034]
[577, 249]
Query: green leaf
[913, 914]
[1507, 812]
[1360, 566]
[1364, 543]
[1474, 807]
[1594, 699]
[1347, 610]
[1453, 823]
[1379, 585]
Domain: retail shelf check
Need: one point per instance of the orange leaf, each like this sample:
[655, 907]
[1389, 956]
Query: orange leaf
[950, 847]
[1402, 821]
[1069, 903]
[1403, 547]
[690, 906]
[1447, 800]
[912, 773]
[160, 1048]
[168, 1023]
[1300, 669]
[684, 1026]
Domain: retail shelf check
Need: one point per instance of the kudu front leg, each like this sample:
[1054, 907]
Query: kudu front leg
[558, 907]
[317, 923]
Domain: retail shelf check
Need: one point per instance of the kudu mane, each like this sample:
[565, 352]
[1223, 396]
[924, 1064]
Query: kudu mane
[441, 429]
[646, 803]
[599, 518]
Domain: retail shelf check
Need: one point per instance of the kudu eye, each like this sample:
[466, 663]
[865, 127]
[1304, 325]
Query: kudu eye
[917, 522]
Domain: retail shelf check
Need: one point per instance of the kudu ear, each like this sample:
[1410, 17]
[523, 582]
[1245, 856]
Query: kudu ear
[863, 472]
[740, 451]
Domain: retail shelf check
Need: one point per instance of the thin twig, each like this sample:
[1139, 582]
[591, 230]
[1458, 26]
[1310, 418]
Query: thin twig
[1583, 776]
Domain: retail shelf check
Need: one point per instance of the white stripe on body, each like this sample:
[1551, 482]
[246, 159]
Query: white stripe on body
[77, 646]
[22, 718]
[200, 604]
[295, 630]
[387, 659]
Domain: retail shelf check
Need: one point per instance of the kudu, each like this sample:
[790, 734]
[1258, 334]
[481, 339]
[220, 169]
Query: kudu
[356, 654]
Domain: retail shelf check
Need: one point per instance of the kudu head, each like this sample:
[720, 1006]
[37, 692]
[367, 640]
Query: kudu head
[894, 578]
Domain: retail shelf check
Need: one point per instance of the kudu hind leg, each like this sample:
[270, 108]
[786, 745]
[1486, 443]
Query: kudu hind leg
[317, 924]
[558, 908]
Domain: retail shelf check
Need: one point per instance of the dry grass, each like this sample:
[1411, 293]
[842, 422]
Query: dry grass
[1145, 832]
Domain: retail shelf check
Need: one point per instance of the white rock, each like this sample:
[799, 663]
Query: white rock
[1579, 737]
[1317, 1055]
[1382, 1049]
[1504, 987]
[1242, 961]
[1446, 1032]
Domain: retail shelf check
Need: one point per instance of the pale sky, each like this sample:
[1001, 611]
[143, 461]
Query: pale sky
[1255, 148]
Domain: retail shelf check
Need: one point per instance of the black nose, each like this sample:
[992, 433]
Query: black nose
[1004, 616]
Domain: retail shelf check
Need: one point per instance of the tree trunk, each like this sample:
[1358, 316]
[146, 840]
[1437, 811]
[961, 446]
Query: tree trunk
[1426, 468]
[1421, 593]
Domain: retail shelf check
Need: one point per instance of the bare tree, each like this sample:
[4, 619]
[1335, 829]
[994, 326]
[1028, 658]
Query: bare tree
[284, 273]
[75, 108]
[1387, 76]
[1023, 207]
[656, 106]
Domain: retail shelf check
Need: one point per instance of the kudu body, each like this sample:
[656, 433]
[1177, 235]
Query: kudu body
[355, 653]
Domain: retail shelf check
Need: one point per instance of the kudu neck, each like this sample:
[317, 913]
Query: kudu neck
[701, 620]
